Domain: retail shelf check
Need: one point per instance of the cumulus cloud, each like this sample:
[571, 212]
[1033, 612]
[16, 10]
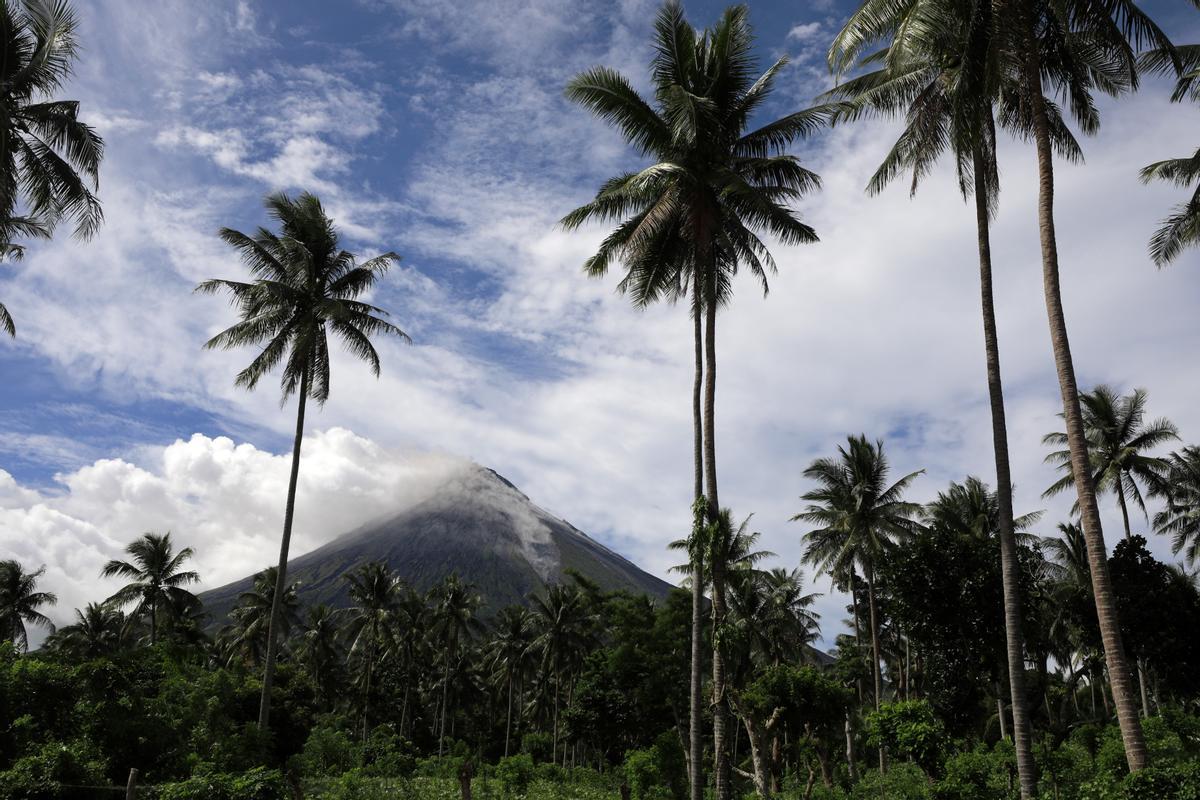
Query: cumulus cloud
[221, 498]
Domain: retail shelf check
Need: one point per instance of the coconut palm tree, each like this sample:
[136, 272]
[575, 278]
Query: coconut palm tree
[156, 579]
[510, 654]
[1072, 49]
[564, 636]
[454, 624]
[922, 75]
[789, 622]
[1181, 229]
[690, 219]
[374, 591]
[1118, 438]
[98, 630]
[1180, 488]
[304, 287]
[321, 651]
[20, 601]
[244, 639]
[861, 518]
[50, 159]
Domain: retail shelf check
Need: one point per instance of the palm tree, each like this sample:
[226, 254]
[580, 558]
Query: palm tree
[98, 630]
[861, 518]
[1071, 49]
[1118, 438]
[321, 651]
[789, 622]
[20, 601]
[510, 652]
[690, 219]
[374, 592]
[454, 623]
[303, 288]
[924, 77]
[155, 577]
[50, 159]
[564, 635]
[244, 639]
[1180, 488]
[1182, 228]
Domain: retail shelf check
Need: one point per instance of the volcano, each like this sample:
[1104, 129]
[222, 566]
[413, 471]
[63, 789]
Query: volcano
[475, 524]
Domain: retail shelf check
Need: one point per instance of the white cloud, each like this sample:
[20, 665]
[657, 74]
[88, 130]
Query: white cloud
[224, 500]
[806, 32]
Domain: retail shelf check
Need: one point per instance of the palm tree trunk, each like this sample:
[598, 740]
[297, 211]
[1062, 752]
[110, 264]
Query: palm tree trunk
[721, 785]
[508, 718]
[264, 705]
[1106, 610]
[1010, 567]
[850, 765]
[1141, 670]
[154, 619]
[696, 717]
[445, 691]
[857, 628]
[870, 576]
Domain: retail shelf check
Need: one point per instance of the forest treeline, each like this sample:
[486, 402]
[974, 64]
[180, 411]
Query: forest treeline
[985, 658]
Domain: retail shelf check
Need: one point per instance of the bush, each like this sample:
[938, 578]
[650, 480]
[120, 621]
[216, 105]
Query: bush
[386, 755]
[909, 729]
[646, 782]
[902, 782]
[515, 773]
[328, 752]
[255, 784]
[979, 774]
[538, 745]
[1163, 783]
[52, 772]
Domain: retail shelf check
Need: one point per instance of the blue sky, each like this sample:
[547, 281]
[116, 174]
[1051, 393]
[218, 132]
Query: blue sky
[438, 130]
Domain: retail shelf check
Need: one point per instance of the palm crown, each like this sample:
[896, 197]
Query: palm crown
[1119, 437]
[304, 287]
[156, 578]
[694, 213]
[20, 601]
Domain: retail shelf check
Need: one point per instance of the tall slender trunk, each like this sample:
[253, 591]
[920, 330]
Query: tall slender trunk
[1010, 566]
[869, 574]
[367, 695]
[508, 720]
[554, 747]
[721, 784]
[264, 705]
[154, 618]
[1106, 610]
[857, 628]
[445, 694]
[696, 716]
[1141, 669]
[850, 765]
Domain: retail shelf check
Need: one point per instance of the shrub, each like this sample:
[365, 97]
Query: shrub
[254, 784]
[515, 773]
[538, 745]
[901, 782]
[909, 729]
[52, 771]
[328, 752]
[1163, 783]
[646, 782]
[386, 755]
[979, 774]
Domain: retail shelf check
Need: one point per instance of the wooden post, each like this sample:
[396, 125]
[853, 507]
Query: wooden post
[465, 773]
[624, 790]
[131, 786]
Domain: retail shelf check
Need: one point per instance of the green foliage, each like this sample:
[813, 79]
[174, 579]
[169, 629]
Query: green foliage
[1180, 782]
[979, 774]
[901, 782]
[385, 754]
[805, 696]
[539, 746]
[51, 771]
[328, 751]
[909, 729]
[255, 784]
[515, 773]
[642, 773]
